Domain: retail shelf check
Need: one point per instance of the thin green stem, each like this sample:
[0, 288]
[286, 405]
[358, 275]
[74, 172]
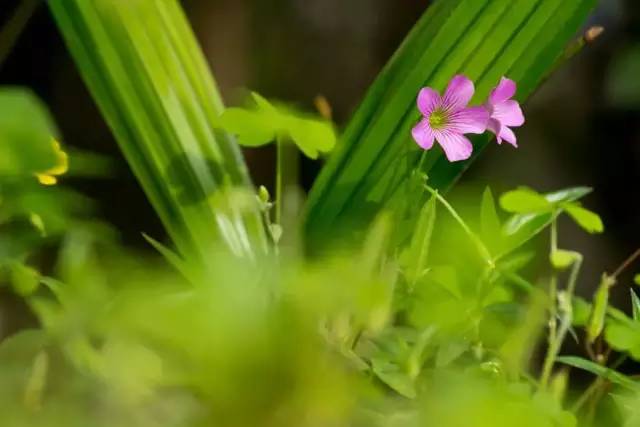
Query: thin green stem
[482, 249]
[423, 156]
[279, 175]
[565, 303]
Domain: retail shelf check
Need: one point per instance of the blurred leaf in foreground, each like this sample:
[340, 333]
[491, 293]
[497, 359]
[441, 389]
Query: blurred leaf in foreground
[26, 128]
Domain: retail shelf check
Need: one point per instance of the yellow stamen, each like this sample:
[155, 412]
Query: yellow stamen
[438, 119]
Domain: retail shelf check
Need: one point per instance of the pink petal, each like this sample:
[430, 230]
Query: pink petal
[508, 113]
[423, 135]
[458, 94]
[505, 90]
[469, 120]
[508, 135]
[495, 127]
[456, 146]
[428, 100]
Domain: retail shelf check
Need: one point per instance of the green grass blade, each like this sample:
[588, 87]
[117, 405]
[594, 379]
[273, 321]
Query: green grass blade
[143, 67]
[483, 39]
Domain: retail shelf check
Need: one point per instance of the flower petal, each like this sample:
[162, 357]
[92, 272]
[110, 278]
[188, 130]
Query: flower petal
[423, 134]
[458, 93]
[469, 120]
[505, 90]
[495, 127]
[456, 146]
[508, 113]
[508, 135]
[428, 100]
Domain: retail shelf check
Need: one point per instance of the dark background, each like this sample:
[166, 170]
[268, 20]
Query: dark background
[582, 128]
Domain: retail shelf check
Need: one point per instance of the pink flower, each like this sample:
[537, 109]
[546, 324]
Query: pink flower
[448, 118]
[504, 112]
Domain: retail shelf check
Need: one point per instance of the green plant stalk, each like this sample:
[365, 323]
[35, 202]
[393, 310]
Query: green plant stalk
[482, 249]
[279, 185]
[148, 76]
[560, 334]
[483, 39]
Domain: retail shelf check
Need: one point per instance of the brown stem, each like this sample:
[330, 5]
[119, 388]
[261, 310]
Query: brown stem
[634, 256]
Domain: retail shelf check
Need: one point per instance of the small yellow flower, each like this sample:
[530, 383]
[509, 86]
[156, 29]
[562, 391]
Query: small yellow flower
[49, 177]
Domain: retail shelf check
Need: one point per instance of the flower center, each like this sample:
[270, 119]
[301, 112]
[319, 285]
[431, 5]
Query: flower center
[438, 119]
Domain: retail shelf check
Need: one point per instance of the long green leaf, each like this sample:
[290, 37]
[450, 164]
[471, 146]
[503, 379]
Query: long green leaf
[142, 64]
[483, 39]
[601, 371]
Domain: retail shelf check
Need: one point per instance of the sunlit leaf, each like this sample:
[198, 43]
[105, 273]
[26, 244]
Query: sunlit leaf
[521, 228]
[562, 259]
[588, 220]
[524, 201]
[264, 123]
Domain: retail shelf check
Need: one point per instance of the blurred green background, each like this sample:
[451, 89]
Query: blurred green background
[583, 126]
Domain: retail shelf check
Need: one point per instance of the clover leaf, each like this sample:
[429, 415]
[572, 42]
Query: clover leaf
[263, 123]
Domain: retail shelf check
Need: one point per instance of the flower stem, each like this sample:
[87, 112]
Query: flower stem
[482, 249]
[279, 175]
[287, 175]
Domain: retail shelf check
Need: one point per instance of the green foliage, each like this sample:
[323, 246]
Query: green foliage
[483, 39]
[26, 132]
[143, 67]
[623, 333]
[525, 200]
[522, 227]
[601, 371]
[490, 226]
[562, 259]
[414, 259]
[589, 221]
[264, 123]
[600, 305]
[434, 317]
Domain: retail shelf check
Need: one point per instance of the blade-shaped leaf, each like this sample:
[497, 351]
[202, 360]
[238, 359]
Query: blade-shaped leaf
[483, 39]
[601, 371]
[144, 69]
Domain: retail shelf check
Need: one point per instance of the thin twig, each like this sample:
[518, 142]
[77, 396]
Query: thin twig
[626, 264]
